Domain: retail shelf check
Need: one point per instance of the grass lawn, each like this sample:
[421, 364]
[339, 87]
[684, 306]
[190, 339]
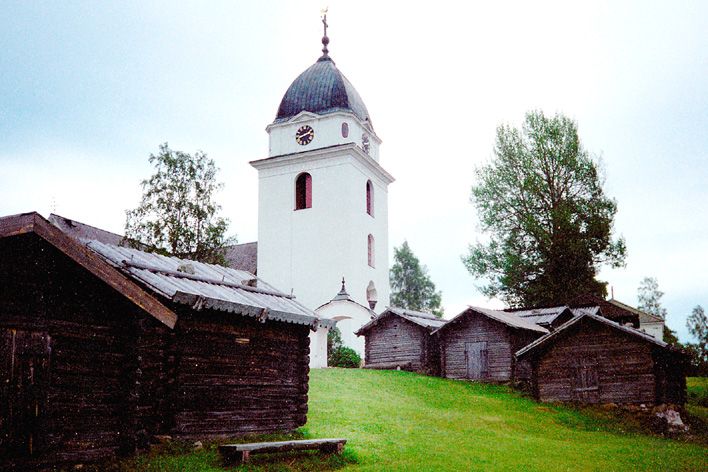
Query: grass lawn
[407, 422]
[698, 398]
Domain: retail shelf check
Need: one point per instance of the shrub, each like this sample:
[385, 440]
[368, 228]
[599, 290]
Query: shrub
[344, 357]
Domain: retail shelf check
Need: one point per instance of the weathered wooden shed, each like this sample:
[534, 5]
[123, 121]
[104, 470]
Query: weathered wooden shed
[399, 338]
[479, 344]
[104, 347]
[591, 359]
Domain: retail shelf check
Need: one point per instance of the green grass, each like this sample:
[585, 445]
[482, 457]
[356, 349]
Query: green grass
[697, 406]
[407, 422]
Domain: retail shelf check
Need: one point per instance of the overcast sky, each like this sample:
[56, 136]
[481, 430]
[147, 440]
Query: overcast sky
[89, 89]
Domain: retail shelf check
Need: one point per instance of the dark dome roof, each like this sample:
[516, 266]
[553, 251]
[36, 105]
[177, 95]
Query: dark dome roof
[321, 89]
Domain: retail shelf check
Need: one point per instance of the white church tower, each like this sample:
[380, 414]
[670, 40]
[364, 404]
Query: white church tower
[323, 204]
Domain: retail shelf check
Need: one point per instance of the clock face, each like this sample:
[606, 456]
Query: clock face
[304, 135]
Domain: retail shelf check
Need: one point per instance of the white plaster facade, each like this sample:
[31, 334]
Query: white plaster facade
[350, 316]
[308, 251]
[652, 328]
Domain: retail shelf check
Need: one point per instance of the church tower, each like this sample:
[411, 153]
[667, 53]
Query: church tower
[322, 195]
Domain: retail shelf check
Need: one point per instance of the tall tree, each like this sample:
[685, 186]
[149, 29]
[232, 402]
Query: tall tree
[649, 297]
[549, 223]
[177, 214]
[411, 286]
[697, 325]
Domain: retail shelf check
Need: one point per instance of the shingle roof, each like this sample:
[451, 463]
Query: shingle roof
[509, 319]
[551, 337]
[243, 257]
[201, 285]
[321, 89]
[426, 320]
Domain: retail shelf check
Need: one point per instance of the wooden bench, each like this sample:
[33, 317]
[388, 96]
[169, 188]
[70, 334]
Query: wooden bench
[239, 453]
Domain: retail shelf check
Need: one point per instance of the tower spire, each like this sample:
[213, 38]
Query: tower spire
[325, 39]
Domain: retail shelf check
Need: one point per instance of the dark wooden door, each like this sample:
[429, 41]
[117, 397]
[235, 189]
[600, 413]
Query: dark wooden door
[476, 360]
[24, 376]
[586, 387]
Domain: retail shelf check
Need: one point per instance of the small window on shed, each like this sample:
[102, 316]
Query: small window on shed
[371, 250]
[345, 129]
[369, 198]
[303, 191]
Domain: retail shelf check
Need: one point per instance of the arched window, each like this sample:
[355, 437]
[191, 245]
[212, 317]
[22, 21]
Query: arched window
[303, 191]
[369, 197]
[345, 129]
[371, 250]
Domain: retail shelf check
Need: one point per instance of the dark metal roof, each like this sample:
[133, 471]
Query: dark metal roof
[426, 320]
[592, 315]
[79, 230]
[242, 257]
[321, 89]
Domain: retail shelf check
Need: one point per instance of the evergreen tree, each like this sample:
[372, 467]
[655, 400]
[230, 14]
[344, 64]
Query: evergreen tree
[549, 222]
[411, 286]
[177, 214]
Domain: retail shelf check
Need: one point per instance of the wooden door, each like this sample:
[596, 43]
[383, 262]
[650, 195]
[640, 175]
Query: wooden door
[586, 387]
[24, 378]
[476, 360]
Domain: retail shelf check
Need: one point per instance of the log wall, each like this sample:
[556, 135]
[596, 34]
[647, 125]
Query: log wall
[85, 375]
[397, 341]
[594, 354]
[238, 376]
[476, 328]
[75, 405]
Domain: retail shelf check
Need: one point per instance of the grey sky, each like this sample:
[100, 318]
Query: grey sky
[88, 90]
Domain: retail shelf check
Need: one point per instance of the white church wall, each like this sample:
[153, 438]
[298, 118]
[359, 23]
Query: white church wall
[318, 348]
[350, 317]
[310, 250]
[655, 329]
[328, 132]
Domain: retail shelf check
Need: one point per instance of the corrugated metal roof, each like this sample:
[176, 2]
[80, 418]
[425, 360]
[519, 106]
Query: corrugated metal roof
[426, 320]
[585, 313]
[203, 285]
[540, 316]
[593, 310]
[509, 319]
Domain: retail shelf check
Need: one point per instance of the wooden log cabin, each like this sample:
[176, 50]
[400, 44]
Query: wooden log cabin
[591, 359]
[400, 339]
[479, 344]
[103, 347]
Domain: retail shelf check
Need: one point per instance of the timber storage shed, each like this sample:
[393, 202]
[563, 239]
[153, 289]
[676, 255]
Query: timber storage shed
[591, 359]
[479, 344]
[399, 338]
[103, 347]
